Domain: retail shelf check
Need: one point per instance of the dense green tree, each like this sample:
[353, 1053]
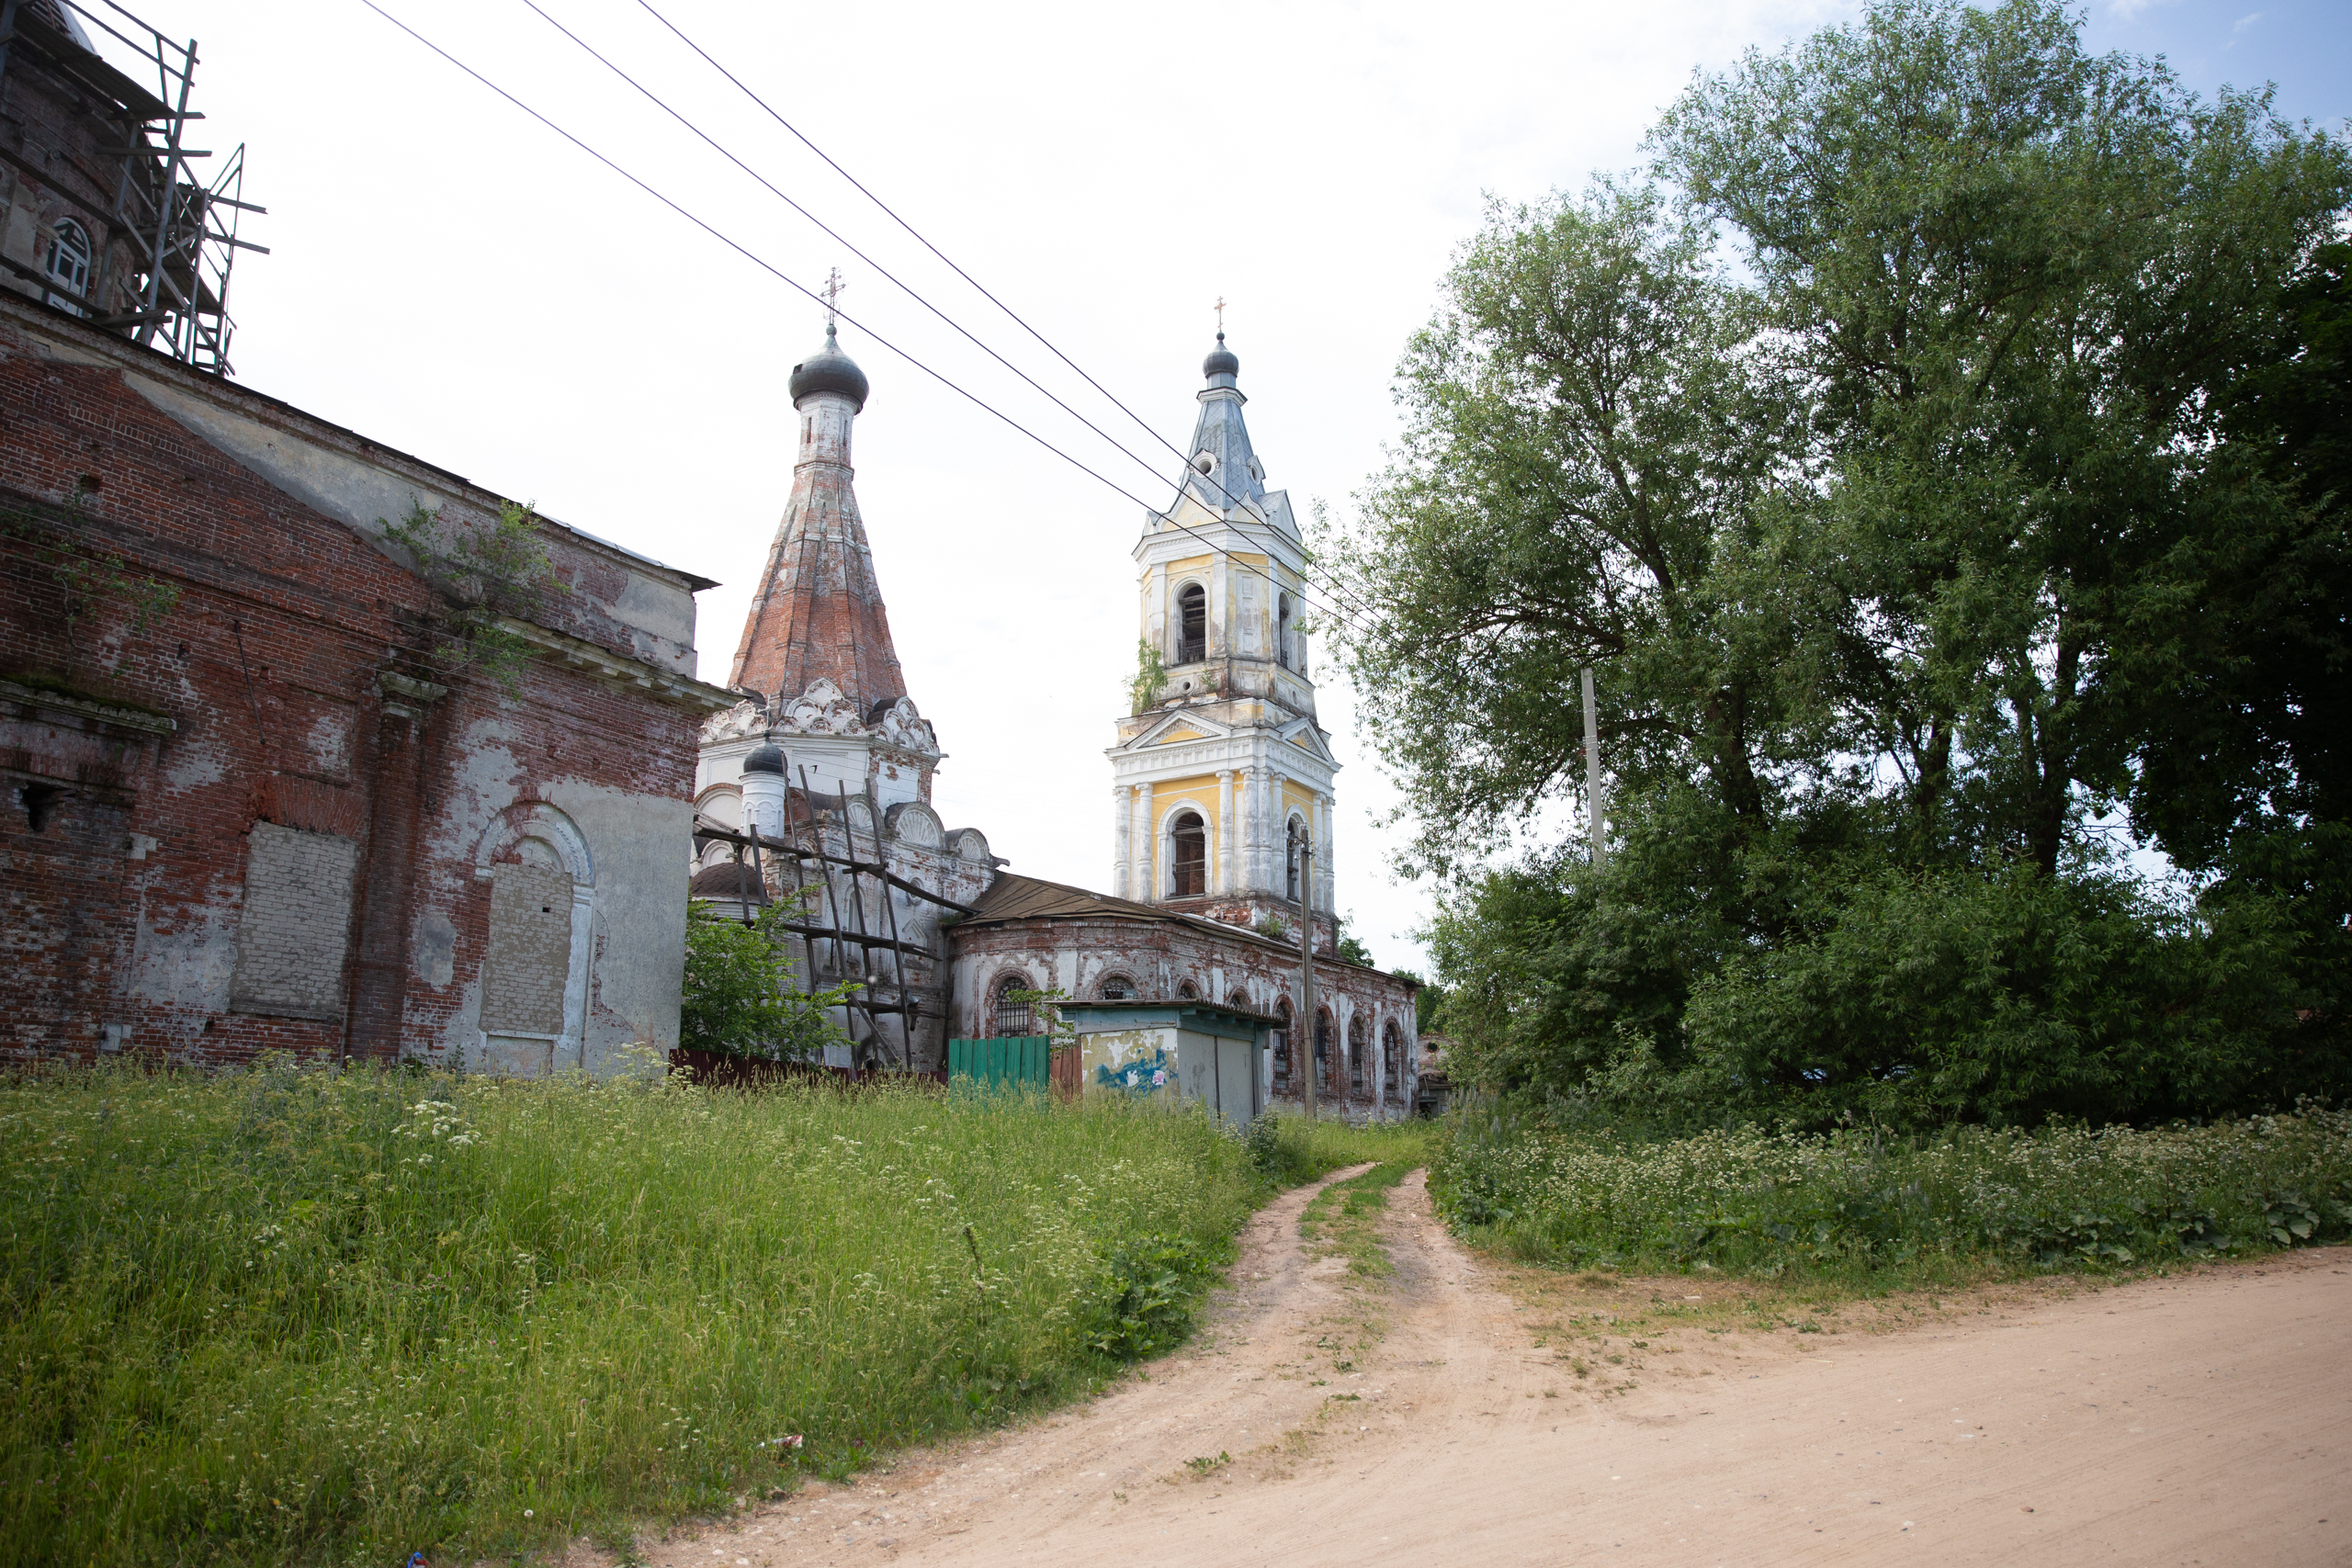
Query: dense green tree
[1897, 551]
[741, 994]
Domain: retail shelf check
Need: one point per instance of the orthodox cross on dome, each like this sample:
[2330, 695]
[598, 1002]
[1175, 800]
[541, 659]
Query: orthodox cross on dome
[1220, 315]
[832, 293]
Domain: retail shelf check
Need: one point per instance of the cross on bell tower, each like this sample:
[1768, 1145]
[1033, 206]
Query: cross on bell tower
[832, 293]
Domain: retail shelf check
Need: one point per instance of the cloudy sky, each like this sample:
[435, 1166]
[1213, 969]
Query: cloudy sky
[453, 279]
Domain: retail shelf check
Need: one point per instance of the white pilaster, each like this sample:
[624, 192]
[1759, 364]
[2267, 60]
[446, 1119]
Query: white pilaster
[1225, 834]
[1326, 875]
[1143, 882]
[1121, 813]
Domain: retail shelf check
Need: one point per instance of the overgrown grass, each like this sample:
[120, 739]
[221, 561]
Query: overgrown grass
[1291, 1150]
[1344, 1218]
[1877, 1210]
[311, 1316]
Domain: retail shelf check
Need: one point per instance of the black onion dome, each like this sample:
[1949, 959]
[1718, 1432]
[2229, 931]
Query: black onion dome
[830, 370]
[767, 759]
[1222, 361]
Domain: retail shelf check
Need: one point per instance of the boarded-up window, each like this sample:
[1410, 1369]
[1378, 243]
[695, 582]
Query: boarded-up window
[530, 950]
[296, 927]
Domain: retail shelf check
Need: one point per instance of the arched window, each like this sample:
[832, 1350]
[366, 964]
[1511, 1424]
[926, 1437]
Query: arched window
[1282, 629]
[1116, 988]
[1190, 840]
[1282, 1047]
[69, 263]
[1356, 1053]
[1392, 1057]
[1010, 1016]
[1290, 846]
[1187, 991]
[1193, 624]
[1330, 1069]
[1239, 1000]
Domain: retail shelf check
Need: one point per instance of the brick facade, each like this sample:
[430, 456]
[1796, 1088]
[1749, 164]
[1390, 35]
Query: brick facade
[269, 817]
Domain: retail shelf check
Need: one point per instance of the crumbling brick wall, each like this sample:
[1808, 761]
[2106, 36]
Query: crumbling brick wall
[1161, 958]
[269, 819]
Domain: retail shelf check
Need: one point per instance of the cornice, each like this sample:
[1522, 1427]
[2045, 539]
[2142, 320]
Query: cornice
[616, 669]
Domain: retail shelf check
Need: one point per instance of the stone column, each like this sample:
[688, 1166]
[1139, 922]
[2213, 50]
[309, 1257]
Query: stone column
[1142, 869]
[1224, 858]
[1327, 876]
[1120, 817]
[1253, 830]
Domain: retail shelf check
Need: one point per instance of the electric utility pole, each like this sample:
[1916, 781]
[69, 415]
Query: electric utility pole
[1306, 850]
[1597, 820]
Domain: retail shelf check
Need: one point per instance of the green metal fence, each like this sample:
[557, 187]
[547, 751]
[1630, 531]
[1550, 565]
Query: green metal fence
[1026, 1060]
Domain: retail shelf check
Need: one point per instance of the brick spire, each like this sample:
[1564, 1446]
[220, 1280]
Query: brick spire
[818, 609]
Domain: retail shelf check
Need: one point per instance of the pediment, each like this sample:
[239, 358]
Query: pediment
[1302, 734]
[1177, 728]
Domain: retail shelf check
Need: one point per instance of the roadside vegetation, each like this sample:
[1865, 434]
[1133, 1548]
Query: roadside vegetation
[1936, 456]
[1934, 459]
[1873, 1211]
[302, 1315]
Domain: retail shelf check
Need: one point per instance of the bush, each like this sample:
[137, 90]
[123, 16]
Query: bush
[1861, 1201]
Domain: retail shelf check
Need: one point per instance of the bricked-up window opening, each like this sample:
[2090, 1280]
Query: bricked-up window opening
[1191, 838]
[69, 263]
[1356, 1053]
[1012, 1017]
[1282, 629]
[530, 965]
[1192, 621]
[1281, 1046]
[1392, 1055]
[295, 926]
[1118, 988]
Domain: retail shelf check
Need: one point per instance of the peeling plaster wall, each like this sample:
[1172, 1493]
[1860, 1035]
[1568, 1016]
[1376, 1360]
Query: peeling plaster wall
[288, 695]
[1161, 957]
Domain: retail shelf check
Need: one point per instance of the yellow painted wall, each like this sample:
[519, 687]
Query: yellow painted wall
[1202, 789]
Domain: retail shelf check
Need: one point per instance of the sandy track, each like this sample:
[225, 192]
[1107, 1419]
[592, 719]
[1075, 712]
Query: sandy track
[2204, 1418]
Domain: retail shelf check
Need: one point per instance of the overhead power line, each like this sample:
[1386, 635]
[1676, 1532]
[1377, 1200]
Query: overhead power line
[769, 109]
[812, 295]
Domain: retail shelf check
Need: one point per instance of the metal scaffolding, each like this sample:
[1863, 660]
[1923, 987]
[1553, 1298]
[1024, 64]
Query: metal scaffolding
[855, 951]
[180, 230]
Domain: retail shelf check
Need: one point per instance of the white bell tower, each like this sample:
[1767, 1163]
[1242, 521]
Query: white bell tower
[1216, 770]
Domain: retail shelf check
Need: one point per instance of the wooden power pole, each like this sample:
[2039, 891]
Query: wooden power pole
[1596, 819]
[1306, 964]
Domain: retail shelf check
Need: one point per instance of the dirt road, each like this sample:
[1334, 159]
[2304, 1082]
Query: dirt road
[2204, 1418]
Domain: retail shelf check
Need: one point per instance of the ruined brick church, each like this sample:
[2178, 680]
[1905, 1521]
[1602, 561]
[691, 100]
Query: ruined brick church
[1222, 794]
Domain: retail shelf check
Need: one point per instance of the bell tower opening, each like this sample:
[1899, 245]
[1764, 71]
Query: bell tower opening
[1193, 624]
[1191, 860]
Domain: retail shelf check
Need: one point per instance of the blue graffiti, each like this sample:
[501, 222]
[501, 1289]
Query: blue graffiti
[1138, 1076]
